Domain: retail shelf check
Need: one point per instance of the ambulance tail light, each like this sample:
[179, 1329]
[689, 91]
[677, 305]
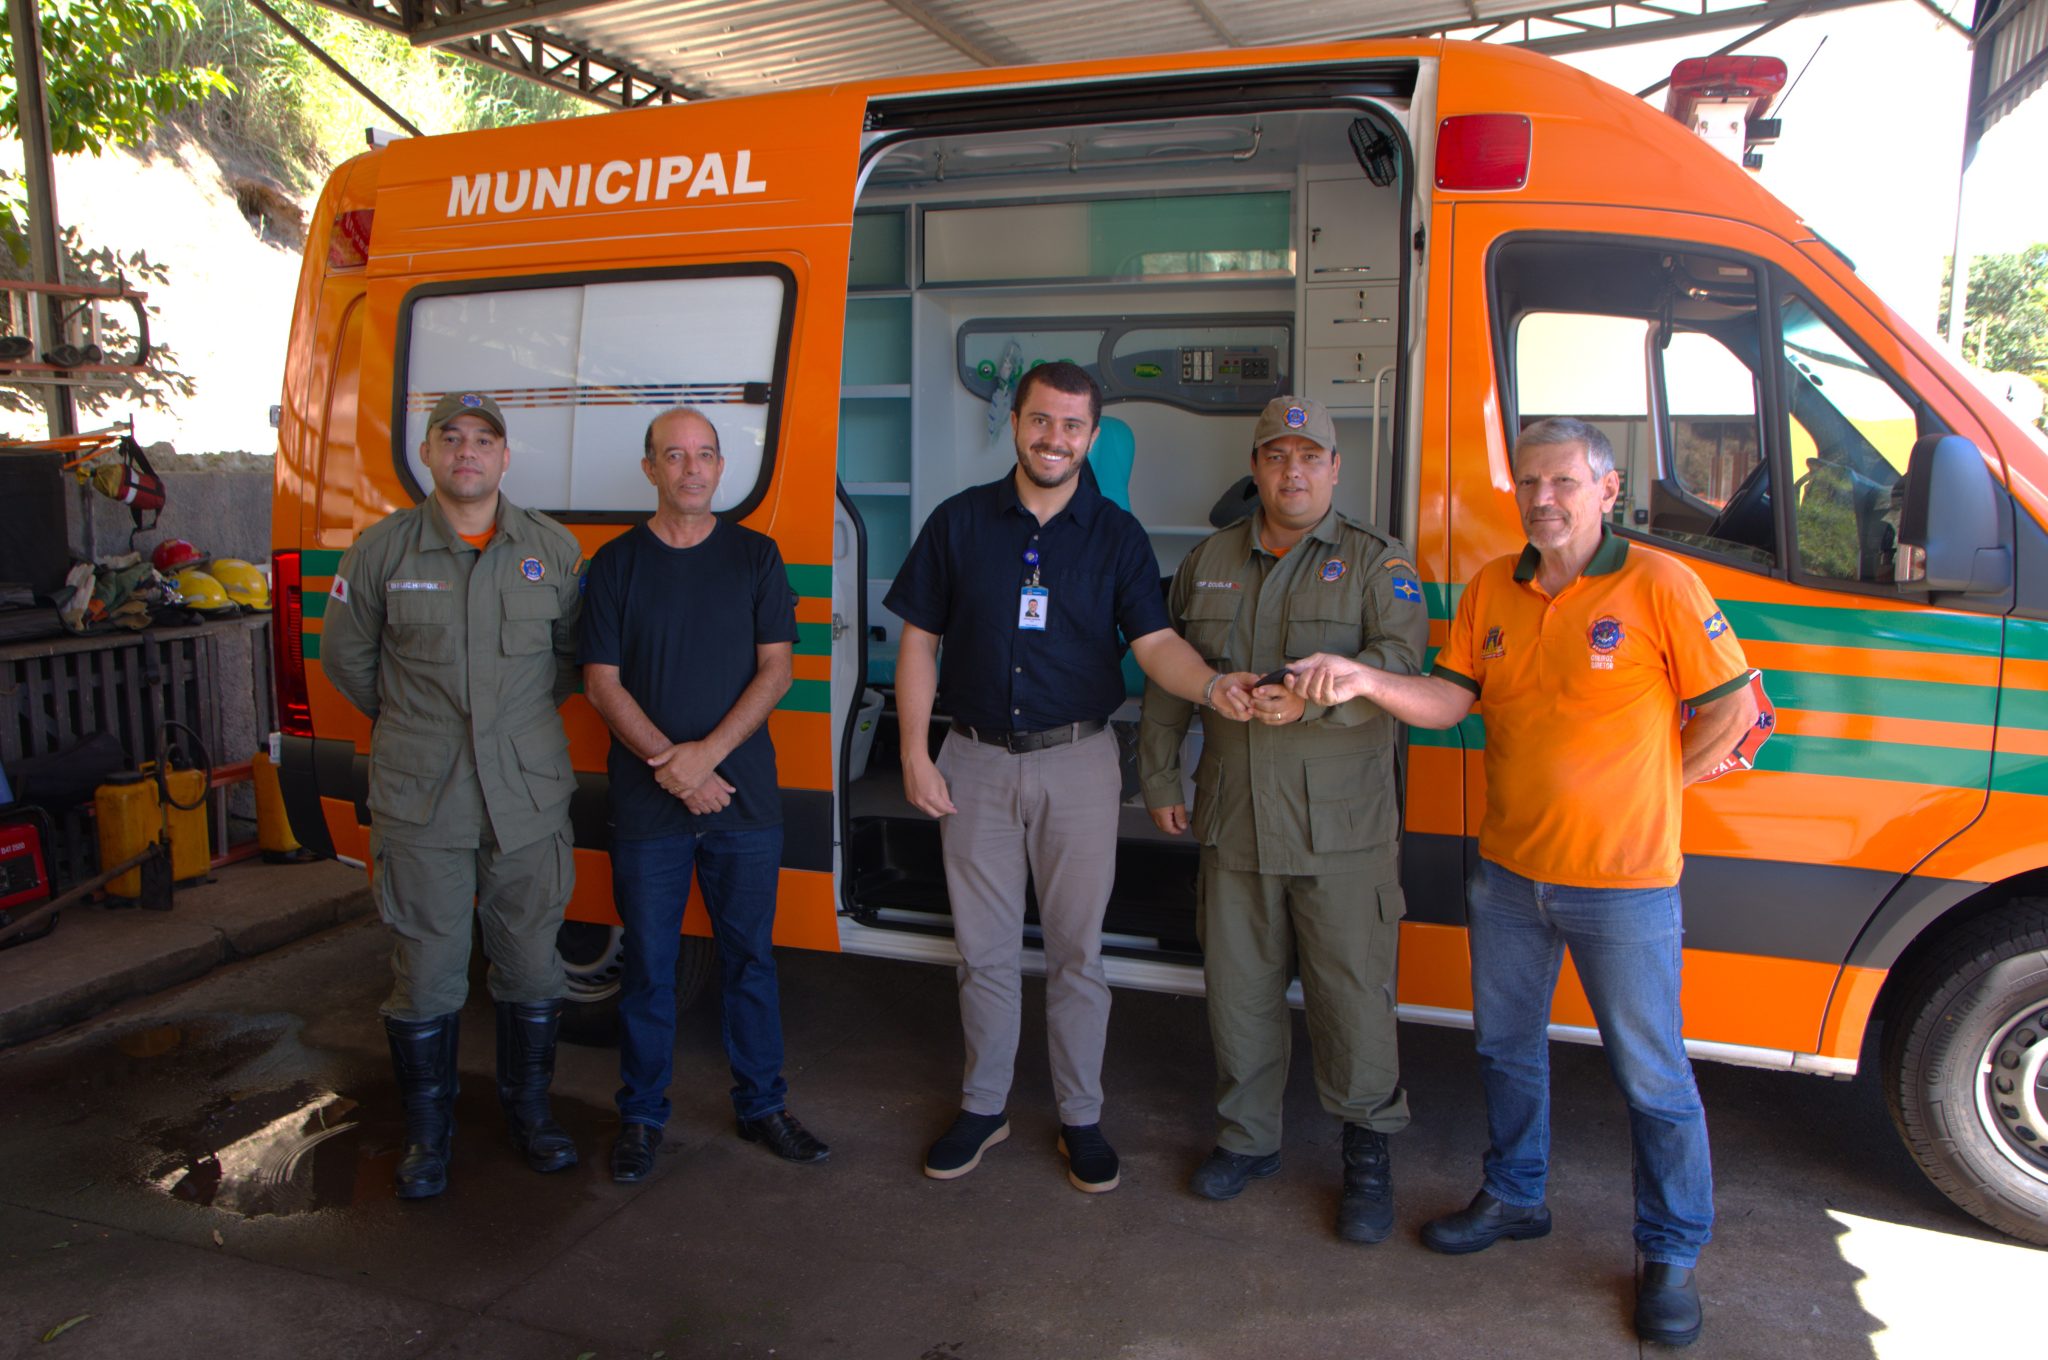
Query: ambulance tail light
[288, 645]
[348, 245]
[1482, 151]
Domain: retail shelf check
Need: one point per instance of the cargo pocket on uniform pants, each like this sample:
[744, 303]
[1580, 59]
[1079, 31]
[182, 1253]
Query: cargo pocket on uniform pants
[380, 882]
[527, 619]
[1393, 906]
[1350, 803]
[543, 752]
[421, 624]
[407, 770]
[1208, 790]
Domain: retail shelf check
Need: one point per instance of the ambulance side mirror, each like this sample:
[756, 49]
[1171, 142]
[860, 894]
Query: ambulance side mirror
[1954, 519]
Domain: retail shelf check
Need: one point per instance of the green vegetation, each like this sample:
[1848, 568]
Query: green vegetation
[100, 98]
[2005, 323]
[288, 112]
[120, 71]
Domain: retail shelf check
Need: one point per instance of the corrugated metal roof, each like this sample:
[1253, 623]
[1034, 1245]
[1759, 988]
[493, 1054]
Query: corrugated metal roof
[629, 52]
[2011, 61]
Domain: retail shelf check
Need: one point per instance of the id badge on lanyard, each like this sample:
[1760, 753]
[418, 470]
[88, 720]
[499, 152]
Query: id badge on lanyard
[1034, 601]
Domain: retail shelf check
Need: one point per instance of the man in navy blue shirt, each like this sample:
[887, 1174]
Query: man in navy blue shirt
[689, 625]
[1034, 583]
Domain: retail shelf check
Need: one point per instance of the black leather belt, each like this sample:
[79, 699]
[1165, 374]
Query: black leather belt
[1016, 743]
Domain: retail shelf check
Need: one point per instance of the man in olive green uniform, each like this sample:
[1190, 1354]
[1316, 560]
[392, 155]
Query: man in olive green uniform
[1297, 813]
[452, 624]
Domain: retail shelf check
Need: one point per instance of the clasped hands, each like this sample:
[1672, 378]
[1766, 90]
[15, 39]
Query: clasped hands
[686, 771]
[1320, 679]
[1240, 697]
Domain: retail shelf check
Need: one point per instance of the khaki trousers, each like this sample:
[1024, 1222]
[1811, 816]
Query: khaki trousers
[1344, 930]
[426, 894]
[1051, 815]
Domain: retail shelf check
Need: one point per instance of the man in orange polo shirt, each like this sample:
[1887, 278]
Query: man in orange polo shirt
[1580, 652]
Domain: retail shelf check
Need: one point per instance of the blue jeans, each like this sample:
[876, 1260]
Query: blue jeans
[1625, 944]
[651, 885]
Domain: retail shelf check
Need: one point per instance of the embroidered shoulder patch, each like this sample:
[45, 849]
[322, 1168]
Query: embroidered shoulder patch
[339, 590]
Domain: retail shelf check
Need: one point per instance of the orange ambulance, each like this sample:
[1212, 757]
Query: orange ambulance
[1442, 242]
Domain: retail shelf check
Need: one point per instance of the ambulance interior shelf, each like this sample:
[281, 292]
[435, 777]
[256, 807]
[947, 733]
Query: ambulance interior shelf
[1233, 367]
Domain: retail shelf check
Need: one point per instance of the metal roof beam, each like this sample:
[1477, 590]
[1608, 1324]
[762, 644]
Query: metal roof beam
[1654, 30]
[389, 14]
[1216, 26]
[945, 32]
[549, 59]
[467, 19]
[577, 68]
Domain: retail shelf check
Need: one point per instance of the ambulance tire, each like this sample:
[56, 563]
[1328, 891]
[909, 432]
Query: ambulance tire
[593, 960]
[1966, 1068]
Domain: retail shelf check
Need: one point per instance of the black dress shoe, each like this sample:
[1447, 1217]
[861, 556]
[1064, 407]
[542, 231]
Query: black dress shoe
[633, 1152]
[1667, 1305]
[1223, 1174]
[785, 1137]
[1482, 1223]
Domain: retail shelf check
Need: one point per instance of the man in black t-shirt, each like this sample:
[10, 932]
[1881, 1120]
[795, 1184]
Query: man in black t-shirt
[689, 625]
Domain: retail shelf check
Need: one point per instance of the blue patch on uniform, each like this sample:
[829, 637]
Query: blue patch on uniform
[472, 399]
[1717, 624]
[1606, 634]
[532, 569]
[1407, 588]
[1296, 417]
[1333, 570]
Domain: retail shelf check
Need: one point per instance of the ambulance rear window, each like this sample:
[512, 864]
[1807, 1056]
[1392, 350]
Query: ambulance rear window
[579, 367]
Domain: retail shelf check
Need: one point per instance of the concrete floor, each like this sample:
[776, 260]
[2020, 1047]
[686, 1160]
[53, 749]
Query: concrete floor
[206, 1173]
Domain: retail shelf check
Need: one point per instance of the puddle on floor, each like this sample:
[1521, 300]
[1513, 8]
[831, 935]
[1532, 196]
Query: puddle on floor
[291, 1150]
[234, 1114]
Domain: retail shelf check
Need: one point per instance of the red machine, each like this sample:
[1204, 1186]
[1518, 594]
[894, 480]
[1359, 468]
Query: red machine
[24, 869]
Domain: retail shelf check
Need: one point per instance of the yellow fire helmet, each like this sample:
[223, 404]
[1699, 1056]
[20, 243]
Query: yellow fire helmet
[199, 590]
[243, 582]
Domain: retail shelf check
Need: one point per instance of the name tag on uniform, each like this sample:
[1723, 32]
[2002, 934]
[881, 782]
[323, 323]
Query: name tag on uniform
[1033, 604]
[419, 585]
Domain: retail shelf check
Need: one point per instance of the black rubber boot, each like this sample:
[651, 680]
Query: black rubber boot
[423, 1056]
[526, 1067]
[1366, 1212]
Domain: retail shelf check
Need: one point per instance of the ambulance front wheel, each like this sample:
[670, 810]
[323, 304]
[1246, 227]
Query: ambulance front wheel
[1966, 1068]
[592, 963]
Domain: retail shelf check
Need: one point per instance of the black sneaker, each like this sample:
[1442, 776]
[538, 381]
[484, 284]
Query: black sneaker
[1091, 1161]
[959, 1151]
